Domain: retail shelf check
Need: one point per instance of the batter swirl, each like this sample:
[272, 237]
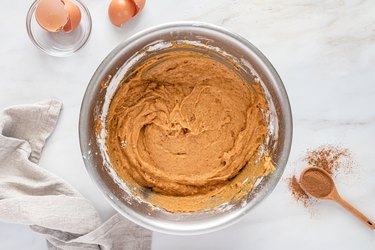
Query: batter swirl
[185, 125]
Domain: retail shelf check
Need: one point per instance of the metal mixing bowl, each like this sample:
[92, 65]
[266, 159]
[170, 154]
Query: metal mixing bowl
[252, 63]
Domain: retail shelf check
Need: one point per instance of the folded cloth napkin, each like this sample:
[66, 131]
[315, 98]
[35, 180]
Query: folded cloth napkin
[33, 196]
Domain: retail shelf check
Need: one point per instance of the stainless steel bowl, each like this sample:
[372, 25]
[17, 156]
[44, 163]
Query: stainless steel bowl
[253, 63]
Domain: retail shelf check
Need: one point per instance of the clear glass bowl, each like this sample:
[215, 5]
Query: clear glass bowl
[254, 63]
[59, 44]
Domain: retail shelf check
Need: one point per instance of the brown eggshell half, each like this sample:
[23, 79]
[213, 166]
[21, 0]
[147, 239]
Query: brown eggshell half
[140, 4]
[74, 16]
[121, 11]
[51, 15]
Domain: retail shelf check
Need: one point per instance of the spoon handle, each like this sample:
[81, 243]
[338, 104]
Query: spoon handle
[355, 212]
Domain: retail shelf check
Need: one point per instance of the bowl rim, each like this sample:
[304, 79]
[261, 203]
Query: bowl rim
[236, 215]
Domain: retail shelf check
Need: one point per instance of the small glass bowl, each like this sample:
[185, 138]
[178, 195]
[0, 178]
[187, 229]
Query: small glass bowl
[59, 44]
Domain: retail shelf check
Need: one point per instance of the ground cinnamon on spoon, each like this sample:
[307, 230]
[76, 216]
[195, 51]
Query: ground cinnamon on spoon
[316, 183]
[331, 158]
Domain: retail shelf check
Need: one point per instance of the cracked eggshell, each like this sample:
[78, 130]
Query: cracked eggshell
[140, 4]
[51, 15]
[74, 16]
[121, 11]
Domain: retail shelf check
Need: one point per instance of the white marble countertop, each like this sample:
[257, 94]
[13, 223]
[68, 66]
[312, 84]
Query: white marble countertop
[323, 50]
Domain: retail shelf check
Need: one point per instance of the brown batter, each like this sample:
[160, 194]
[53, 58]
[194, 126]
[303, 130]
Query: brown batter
[188, 128]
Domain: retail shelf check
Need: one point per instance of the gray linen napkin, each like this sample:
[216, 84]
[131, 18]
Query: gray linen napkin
[31, 195]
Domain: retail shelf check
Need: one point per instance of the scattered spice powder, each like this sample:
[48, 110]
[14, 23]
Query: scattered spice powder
[331, 158]
[298, 192]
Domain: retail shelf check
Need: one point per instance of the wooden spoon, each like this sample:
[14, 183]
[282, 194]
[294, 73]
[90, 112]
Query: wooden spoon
[319, 184]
